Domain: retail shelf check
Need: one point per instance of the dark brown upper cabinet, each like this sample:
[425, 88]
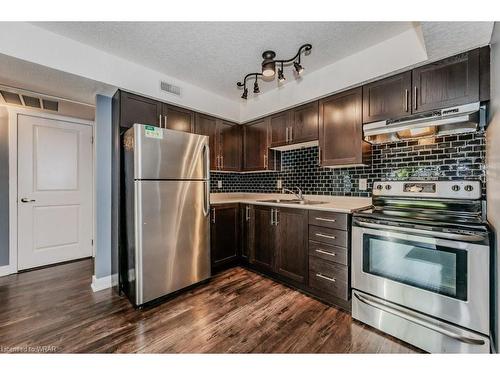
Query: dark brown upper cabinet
[255, 146]
[304, 123]
[280, 128]
[138, 109]
[224, 236]
[225, 142]
[176, 118]
[445, 83]
[340, 130]
[207, 125]
[229, 144]
[388, 98]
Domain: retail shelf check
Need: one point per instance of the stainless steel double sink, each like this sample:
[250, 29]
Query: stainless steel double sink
[291, 201]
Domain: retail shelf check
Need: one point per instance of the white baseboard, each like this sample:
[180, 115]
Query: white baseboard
[103, 282]
[7, 270]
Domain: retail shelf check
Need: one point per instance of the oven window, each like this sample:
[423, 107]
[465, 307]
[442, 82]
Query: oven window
[438, 269]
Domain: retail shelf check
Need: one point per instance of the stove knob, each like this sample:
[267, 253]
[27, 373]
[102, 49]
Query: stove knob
[388, 187]
[468, 188]
[455, 188]
[378, 187]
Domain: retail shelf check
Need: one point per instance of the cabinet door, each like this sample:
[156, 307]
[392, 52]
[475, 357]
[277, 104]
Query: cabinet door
[137, 109]
[304, 123]
[262, 253]
[279, 128]
[224, 233]
[176, 118]
[388, 98]
[229, 146]
[255, 145]
[292, 244]
[449, 82]
[340, 136]
[207, 125]
[247, 219]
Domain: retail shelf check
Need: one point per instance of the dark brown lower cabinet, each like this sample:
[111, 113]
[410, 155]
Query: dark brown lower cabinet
[291, 244]
[246, 230]
[224, 235]
[262, 251]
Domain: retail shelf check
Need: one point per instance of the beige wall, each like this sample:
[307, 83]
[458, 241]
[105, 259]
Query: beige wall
[493, 164]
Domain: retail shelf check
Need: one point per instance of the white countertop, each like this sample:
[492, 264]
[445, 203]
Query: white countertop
[331, 203]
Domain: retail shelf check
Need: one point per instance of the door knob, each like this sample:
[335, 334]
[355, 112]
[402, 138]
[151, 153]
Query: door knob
[26, 200]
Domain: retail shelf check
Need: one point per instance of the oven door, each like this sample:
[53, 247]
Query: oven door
[443, 278]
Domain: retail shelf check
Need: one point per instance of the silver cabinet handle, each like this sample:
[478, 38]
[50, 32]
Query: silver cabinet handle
[291, 133]
[276, 221]
[415, 104]
[213, 215]
[159, 120]
[406, 100]
[325, 236]
[265, 161]
[218, 161]
[247, 213]
[321, 251]
[325, 277]
[222, 162]
[325, 219]
[27, 200]
[319, 155]
[286, 136]
[272, 216]
[165, 121]
[420, 320]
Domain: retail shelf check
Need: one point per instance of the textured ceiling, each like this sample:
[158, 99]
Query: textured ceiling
[215, 55]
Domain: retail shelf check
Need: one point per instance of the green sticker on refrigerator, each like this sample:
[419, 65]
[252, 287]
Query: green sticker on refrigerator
[153, 132]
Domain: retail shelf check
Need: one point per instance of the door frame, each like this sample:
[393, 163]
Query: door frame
[14, 113]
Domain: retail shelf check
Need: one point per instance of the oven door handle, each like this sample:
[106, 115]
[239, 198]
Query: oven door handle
[449, 236]
[420, 321]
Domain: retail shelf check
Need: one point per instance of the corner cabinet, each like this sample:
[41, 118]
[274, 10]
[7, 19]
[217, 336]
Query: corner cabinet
[341, 130]
[256, 141]
[225, 142]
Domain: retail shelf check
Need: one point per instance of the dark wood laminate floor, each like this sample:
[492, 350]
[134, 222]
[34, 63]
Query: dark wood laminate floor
[54, 309]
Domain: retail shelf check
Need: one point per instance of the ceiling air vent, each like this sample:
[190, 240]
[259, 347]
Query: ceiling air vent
[30, 101]
[50, 105]
[168, 87]
[11, 98]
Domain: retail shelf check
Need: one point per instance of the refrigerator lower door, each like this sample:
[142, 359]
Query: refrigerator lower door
[173, 236]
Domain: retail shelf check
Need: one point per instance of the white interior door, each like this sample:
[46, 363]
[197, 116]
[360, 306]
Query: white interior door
[54, 191]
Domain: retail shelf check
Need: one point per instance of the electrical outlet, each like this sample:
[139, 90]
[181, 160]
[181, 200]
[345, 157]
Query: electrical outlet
[219, 184]
[279, 184]
[363, 184]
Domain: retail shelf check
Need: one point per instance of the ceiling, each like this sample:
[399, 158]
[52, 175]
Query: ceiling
[215, 55]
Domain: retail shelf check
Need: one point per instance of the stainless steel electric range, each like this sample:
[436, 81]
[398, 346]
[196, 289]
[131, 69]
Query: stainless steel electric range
[421, 265]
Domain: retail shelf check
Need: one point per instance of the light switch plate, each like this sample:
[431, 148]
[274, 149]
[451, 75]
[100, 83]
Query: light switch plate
[279, 184]
[363, 184]
[219, 184]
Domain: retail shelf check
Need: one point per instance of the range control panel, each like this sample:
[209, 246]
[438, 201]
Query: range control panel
[430, 189]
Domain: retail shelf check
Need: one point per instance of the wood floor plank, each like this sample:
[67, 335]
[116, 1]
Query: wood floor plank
[238, 311]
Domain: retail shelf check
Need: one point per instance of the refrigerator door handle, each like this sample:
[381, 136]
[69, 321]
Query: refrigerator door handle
[206, 175]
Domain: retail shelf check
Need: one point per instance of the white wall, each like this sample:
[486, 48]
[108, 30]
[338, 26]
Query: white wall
[55, 51]
[393, 54]
[493, 164]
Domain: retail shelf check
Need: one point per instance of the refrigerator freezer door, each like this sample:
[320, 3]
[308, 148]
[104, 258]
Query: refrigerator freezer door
[163, 154]
[173, 236]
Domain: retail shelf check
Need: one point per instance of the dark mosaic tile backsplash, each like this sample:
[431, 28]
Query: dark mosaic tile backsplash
[450, 157]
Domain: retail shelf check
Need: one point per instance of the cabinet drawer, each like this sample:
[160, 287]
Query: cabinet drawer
[328, 219]
[329, 278]
[328, 235]
[328, 252]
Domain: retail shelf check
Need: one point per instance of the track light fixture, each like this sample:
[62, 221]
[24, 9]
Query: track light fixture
[269, 69]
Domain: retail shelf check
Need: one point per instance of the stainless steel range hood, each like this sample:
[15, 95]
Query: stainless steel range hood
[453, 120]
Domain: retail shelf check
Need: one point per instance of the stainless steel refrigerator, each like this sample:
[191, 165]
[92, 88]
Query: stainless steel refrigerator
[166, 237]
